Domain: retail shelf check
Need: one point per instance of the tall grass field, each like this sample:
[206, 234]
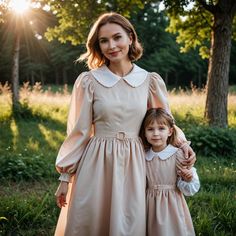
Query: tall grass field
[30, 139]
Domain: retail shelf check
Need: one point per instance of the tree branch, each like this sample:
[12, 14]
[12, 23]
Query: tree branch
[206, 20]
[211, 8]
[233, 9]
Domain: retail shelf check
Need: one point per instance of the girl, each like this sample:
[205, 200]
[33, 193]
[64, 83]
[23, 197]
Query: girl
[167, 210]
[101, 161]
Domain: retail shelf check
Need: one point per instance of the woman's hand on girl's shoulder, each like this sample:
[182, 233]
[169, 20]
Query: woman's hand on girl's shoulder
[189, 154]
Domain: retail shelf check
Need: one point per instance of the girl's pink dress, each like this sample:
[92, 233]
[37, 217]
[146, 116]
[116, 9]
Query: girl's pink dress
[167, 210]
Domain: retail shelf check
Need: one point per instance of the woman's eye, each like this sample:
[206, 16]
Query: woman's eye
[103, 41]
[117, 37]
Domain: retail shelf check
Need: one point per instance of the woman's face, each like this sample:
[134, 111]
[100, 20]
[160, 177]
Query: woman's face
[114, 42]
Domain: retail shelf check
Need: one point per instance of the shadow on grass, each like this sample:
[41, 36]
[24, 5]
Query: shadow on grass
[29, 144]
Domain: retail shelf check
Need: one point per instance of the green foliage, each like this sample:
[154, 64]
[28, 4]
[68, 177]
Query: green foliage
[212, 141]
[23, 111]
[219, 218]
[28, 150]
[28, 168]
[193, 29]
[75, 18]
[28, 210]
[162, 53]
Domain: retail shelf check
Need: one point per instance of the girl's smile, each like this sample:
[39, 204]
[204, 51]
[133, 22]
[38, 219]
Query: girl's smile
[157, 135]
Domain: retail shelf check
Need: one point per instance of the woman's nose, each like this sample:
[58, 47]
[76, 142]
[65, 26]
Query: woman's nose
[112, 44]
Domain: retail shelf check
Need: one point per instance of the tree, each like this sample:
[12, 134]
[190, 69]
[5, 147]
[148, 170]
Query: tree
[14, 22]
[208, 20]
[75, 17]
[162, 53]
[16, 18]
[195, 27]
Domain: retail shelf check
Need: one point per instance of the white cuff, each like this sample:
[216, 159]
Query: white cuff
[65, 177]
[189, 188]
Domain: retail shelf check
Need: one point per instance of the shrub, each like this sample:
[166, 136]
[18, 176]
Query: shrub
[18, 168]
[210, 141]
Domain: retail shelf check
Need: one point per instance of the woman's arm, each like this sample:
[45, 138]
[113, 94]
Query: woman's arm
[158, 97]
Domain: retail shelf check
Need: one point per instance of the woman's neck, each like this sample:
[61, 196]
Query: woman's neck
[122, 68]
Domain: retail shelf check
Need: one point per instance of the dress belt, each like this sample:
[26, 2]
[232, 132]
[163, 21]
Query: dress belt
[161, 187]
[121, 135]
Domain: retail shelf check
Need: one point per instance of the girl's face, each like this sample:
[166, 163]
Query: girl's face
[157, 135]
[114, 42]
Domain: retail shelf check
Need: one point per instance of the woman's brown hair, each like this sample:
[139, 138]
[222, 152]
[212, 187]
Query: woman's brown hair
[94, 56]
[162, 117]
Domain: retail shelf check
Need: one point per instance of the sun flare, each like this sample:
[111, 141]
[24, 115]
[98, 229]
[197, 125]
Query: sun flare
[19, 6]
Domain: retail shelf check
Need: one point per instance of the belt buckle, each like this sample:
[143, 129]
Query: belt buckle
[120, 135]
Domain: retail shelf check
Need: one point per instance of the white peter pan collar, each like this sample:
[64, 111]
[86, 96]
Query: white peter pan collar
[108, 79]
[163, 155]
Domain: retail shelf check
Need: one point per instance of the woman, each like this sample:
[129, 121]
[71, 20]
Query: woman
[103, 156]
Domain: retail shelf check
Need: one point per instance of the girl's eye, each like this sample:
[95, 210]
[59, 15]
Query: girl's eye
[149, 129]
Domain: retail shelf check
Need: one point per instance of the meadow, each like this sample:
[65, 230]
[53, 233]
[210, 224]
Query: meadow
[29, 143]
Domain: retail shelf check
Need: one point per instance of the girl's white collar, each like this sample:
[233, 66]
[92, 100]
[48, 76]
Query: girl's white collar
[108, 79]
[163, 155]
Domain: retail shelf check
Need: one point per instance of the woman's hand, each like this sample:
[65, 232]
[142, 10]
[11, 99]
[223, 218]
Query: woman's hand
[189, 160]
[189, 154]
[61, 194]
[186, 175]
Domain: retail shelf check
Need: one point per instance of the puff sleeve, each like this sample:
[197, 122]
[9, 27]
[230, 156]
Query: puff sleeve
[189, 188]
[158, 97]
[79, 127]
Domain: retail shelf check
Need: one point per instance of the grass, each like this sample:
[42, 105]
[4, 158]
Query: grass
[29, 145]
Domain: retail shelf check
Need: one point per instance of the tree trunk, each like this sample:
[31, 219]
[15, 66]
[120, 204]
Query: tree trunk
[41, 77]
[32, 79]
[56, 77]
[64, 72]
[15, 71]
[199, 78]
[218, 70]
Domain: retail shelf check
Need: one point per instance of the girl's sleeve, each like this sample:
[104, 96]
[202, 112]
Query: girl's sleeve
[158, 97]
[79, 127]
[189, 188]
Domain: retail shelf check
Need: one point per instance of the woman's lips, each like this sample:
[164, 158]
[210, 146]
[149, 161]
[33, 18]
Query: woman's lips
[113, 54]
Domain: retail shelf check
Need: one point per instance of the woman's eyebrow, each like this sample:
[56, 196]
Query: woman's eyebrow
[116, 34]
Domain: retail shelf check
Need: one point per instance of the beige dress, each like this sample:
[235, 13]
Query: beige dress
[104, 154]
[167, 210]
